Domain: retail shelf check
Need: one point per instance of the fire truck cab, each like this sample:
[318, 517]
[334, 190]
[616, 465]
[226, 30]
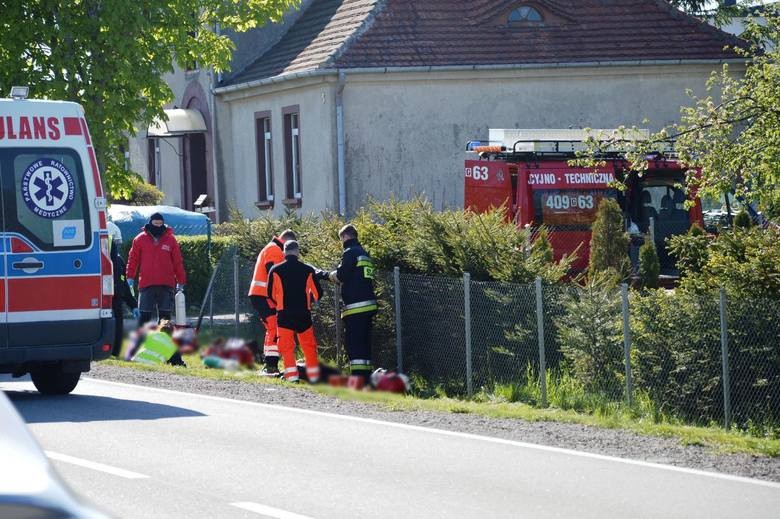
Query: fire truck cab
[528, 173]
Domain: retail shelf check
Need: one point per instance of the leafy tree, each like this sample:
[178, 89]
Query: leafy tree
[609, 241]
[718, 13]
[111, 56]
[141, 193]
[731, 135]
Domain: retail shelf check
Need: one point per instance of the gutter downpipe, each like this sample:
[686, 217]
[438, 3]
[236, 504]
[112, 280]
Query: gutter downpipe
[342, 180]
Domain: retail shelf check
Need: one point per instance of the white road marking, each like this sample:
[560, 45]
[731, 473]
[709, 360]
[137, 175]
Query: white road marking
[94, 465]
[269, 511]
[431, 430]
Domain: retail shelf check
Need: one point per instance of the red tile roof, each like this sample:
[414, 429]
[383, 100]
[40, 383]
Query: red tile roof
[459, 32]
[412, 33]
[316, 36]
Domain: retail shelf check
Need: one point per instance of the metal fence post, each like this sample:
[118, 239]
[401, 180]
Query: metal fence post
[398, 343]
[540, 330]
[208, 239]
[626, 342]
[467, 318]
[724, 351]
[235, 285]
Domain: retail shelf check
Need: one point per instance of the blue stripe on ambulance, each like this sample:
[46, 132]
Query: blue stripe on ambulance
[55, 263]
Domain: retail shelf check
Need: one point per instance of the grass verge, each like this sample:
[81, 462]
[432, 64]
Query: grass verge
[712, 437]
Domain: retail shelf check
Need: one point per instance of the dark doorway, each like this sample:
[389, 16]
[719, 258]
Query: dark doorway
[195, 173]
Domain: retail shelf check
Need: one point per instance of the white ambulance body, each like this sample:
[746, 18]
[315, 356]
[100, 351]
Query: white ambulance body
[56, 280]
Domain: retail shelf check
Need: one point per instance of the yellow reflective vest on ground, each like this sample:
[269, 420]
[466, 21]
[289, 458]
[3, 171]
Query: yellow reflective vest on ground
[158, 348]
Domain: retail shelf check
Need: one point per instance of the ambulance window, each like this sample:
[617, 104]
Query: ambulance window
[49, 204]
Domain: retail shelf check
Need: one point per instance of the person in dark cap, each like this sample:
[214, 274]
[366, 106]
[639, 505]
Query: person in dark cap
[155, 258]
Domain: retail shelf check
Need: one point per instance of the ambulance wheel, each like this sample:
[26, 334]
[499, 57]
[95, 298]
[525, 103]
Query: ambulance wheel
[51, 380]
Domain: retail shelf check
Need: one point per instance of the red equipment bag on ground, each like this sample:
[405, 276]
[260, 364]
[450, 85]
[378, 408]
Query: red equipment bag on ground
[384, 380]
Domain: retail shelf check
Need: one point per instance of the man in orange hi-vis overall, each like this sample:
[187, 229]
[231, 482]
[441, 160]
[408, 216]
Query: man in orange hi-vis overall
[272, 254]
[293, 289]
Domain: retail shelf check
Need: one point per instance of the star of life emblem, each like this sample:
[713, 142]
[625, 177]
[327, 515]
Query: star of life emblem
[48, 189]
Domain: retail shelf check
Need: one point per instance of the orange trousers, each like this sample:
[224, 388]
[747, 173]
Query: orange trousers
[270, 346]
[309, 346]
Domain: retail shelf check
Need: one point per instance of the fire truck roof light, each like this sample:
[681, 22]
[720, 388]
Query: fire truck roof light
[20, 92]
[473, 145]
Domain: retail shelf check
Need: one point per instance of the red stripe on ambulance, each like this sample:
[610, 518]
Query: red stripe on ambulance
[61, 293]
[86, 131]
[93, 163]
[72, 125]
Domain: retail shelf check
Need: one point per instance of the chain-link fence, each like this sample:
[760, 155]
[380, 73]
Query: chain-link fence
[668, 355]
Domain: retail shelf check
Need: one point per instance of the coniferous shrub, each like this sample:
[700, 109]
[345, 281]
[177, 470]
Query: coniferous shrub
[649, 265]
[609, 241]
[743, 220]
[690, 250]
[590, 333]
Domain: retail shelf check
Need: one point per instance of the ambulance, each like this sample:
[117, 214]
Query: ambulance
[56, 280]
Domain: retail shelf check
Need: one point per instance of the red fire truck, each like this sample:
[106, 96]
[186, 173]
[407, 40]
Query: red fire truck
[527, 171]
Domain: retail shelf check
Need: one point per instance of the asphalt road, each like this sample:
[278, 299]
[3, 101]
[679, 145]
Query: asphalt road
[142, 452]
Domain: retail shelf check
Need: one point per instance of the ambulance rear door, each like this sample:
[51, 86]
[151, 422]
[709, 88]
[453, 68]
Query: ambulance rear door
[52, 248]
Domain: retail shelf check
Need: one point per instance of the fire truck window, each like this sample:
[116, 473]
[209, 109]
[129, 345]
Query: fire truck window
[662, 203]
[49, 204]
[573, 209]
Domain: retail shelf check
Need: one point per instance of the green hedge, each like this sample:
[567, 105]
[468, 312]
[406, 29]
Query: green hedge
[199, 262]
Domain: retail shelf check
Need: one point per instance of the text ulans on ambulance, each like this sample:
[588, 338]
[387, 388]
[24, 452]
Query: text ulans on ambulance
[34, 127]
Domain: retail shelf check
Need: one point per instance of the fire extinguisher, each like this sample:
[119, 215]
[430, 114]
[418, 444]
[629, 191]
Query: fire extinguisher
[181, 308]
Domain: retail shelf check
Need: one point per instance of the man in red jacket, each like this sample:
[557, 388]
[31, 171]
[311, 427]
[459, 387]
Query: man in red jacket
[156, 255]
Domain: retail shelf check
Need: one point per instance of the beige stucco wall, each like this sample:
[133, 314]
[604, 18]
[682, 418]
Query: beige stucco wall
[405, 132]
[170, 149]
[236, 128]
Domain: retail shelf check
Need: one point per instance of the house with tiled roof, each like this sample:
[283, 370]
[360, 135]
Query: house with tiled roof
[348, 99]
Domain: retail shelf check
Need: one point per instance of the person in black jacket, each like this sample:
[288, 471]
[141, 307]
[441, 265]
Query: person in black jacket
[356, 275]
[122, 293]
[293, 288]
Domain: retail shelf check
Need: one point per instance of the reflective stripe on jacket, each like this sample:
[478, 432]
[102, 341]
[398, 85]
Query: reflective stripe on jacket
[158, 348]
[359, 307]
[356, 274]
[272, 254]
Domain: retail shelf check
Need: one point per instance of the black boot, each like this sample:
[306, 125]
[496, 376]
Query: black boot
[271, 368]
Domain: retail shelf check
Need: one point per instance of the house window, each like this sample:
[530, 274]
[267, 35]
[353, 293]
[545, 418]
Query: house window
[265, 189]
[126, 155]
[152, 159]
[525, 14]
[292, 154]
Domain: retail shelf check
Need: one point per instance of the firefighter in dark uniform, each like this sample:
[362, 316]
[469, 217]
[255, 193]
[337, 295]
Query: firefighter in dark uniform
[122, 294]
[356, 275]
[293, 288]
